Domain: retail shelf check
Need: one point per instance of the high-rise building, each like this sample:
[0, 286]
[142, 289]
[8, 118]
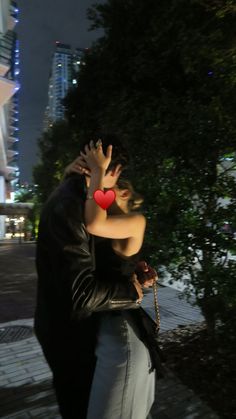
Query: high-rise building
[63, 76]
[9, 86]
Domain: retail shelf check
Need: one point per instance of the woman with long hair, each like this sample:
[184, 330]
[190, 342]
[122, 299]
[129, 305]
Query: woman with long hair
[124, 379]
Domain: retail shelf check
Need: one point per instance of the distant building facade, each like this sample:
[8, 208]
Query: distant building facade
[9, 86]
[63, 76]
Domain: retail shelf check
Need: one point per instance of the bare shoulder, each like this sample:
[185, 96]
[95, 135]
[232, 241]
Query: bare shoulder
[138, 219]
[137, 216]
[132, 244]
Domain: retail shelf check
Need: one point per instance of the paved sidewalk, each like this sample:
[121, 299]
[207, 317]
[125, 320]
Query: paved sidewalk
[26, 390]
[17, 280]
[174, 311]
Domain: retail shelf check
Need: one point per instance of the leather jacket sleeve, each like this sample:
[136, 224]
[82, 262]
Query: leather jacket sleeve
[74, 245]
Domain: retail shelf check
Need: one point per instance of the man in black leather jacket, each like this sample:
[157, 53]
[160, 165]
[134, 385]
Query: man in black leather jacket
[70, 295]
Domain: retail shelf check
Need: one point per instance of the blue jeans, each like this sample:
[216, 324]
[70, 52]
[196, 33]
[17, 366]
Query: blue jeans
[123, 387]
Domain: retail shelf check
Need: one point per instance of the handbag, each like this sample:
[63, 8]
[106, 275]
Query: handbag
[156, 307]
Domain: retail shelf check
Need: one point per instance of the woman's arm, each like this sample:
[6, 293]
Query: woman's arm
[97, 220]
[115, 226]
[94, 214]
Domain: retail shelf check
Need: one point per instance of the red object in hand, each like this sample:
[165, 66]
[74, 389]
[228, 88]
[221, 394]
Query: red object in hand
[145, 273]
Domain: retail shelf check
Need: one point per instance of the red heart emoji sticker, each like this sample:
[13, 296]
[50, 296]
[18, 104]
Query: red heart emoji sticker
[104, 199]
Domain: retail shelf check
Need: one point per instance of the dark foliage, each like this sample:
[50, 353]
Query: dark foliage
[163, 79]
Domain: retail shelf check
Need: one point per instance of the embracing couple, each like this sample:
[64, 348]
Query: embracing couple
[97, 340]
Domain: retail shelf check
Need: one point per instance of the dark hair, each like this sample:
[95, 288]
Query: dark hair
[119, 152]
[136, 199]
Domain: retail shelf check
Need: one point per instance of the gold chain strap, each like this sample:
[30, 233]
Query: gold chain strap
[157, 312]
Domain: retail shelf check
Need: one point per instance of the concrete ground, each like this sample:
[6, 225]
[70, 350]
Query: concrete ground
[25, 380]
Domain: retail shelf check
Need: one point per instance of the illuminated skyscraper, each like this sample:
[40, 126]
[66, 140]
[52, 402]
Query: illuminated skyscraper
[9, 86]
[65, 67]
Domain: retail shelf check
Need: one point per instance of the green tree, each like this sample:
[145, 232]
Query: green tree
[163, 78]
[30, 195]
[165, 82]
[57, 148]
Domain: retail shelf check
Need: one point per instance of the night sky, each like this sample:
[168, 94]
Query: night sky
[41, 23]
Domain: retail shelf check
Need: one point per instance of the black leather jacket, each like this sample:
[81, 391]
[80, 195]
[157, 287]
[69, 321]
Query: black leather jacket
[68, 287]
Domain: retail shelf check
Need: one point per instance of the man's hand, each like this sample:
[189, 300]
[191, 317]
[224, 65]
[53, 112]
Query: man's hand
[77, 166]
[146, 275]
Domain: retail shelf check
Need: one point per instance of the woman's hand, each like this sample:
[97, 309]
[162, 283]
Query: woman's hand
[146, 275]
[94, 157]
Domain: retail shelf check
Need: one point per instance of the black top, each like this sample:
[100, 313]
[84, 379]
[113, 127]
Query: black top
[112, 265]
